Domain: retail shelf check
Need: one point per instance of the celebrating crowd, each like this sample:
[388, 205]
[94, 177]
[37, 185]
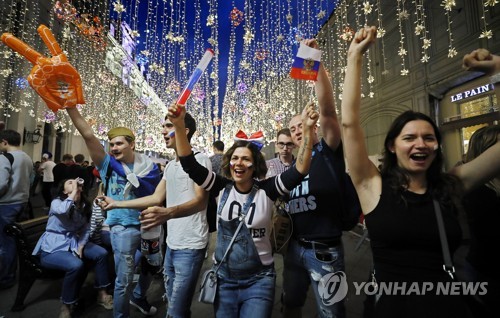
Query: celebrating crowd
[401, 202]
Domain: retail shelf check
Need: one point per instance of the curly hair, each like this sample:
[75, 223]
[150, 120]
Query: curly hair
[444, 187]
[84, 206]
[259, 162]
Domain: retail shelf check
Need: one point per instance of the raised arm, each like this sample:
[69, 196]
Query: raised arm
[481, 60]
[486, 166]
[480, 170]
[176, 114]
[309, 119]
[363, 172]
[329, 123]
[94, 147]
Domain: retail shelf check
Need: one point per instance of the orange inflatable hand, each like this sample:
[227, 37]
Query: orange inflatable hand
[56, 81]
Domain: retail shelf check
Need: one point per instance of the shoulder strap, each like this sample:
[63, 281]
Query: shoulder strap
[224, 197]
[448, 265]
[9, 157]
[108, 175]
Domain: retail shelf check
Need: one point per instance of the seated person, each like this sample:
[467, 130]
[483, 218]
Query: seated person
[64, 246]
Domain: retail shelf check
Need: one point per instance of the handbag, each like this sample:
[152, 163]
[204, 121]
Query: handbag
[208, 288]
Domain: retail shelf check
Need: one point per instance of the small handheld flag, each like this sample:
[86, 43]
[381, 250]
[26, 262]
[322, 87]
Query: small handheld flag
[306, 63]
[195, 76]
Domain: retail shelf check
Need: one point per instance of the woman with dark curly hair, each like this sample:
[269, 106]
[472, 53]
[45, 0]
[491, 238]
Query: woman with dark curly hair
[64, 246]
[401, 203]
[246, 276]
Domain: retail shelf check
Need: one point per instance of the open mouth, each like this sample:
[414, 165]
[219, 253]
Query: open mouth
[420, 157]
[239, 172]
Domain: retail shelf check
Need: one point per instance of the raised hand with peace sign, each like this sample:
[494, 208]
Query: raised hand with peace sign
[56, 81]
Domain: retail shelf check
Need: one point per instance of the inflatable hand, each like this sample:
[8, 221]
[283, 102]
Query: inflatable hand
[56, 81]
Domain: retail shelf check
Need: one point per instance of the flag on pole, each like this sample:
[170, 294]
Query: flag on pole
[306, 63]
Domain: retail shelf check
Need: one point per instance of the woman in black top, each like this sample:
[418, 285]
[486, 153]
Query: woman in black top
[398, 201]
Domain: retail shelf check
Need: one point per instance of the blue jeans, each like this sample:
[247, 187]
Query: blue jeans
[106, 242]
[75, 269]
[125, 242]
[8, 263]
[182, 268]
[251, 297]
[303, 268]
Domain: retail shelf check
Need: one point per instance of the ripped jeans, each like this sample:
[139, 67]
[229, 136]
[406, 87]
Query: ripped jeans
[125, 242]
[302, 267]
[182, 268]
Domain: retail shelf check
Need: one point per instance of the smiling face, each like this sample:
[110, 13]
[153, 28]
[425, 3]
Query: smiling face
[415, 147]
[241, 166]
[121, 149]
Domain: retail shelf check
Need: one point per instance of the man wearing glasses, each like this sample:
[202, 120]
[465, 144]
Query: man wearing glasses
[284, 160]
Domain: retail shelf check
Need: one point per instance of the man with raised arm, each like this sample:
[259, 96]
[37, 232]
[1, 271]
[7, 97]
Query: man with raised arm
[131, 174]
[187, 227]
[315, 249]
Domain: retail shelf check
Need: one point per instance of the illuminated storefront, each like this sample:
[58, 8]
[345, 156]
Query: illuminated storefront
[462, 111]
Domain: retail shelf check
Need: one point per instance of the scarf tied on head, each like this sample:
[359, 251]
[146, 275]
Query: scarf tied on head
[257, 138]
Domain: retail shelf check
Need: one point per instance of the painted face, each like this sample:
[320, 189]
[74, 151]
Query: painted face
[416, 146]
[284, 145]
[295, 127]
[121, 149]
[168, 133]
[241, 165]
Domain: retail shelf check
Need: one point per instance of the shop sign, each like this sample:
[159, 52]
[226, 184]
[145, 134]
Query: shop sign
[472, 92]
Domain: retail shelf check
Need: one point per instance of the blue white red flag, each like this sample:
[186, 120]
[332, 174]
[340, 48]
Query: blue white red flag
[306, 63]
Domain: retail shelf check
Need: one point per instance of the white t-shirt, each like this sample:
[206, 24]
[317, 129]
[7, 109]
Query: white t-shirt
[47, 166]
[189, 232]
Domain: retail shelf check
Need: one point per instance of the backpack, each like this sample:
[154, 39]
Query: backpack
[350, 208]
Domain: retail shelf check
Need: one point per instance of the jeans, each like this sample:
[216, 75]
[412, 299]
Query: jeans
[75, 269]
[251, 297]
[125, 242]
[8, 262]
[182, 268]
[106, 242]
[303, 268]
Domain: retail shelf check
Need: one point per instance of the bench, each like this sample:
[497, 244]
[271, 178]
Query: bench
[26, 234]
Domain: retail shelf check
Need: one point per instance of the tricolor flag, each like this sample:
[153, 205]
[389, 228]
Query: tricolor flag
[306, 63]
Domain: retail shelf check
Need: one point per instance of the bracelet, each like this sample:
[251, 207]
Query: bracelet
[495, 78]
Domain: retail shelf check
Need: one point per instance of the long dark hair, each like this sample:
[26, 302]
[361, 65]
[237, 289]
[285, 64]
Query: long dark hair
[444, 187]
[259, 163]
[83, 206]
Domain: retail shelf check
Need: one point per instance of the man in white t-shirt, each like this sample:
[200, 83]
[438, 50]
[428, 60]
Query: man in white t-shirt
[48, 177]
[187, 226]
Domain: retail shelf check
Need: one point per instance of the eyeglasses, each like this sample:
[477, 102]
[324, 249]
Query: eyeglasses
[282, 145]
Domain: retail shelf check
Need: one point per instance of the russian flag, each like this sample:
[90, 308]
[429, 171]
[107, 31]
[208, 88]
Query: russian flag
[306, 63]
